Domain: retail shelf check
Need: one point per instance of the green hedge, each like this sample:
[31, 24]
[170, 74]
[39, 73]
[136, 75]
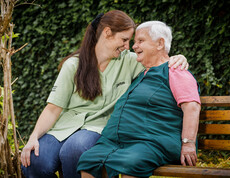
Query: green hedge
[201, 31]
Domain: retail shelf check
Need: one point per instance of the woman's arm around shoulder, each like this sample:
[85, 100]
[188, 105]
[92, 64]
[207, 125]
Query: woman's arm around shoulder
[178, 60]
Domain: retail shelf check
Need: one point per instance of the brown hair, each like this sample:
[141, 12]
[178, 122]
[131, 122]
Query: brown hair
[87, 77]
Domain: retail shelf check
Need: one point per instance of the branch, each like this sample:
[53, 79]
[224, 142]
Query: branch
[27, 3]
[2, 7]
[10, 36]
[6, 49]
[13, 1]
[14, 51]
[7, 18]
[13, 81]
[21, 138]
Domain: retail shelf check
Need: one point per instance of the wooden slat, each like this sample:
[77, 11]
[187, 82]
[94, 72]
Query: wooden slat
[215, 100]
[215, 129]
[189, 171]
[212, 115]
[209, 144]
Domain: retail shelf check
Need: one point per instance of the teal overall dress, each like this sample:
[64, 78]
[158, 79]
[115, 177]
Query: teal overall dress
[143, 133]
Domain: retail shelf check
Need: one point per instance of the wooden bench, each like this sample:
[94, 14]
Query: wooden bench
[213, 109]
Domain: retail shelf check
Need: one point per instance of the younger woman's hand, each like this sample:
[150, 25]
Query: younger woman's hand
[32, 144]
[178, 60]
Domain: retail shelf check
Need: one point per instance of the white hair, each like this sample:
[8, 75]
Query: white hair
[158, 30]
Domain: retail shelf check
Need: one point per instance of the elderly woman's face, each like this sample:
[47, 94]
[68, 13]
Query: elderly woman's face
[144, 46]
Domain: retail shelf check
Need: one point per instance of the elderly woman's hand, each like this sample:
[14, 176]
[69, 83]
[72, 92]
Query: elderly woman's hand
[177, 60]
[188, 154]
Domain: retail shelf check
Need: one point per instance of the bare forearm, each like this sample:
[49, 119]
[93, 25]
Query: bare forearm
[46, 120]
[191, 112]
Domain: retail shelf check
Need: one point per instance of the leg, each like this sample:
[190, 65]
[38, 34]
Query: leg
[126, 176]
[86, 175]
[72, 149]
[133, 162]
[94, 159]
[104, 173]
[47, 163]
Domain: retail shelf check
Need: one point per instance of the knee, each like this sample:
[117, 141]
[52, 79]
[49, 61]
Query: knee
[78, 143]
[39, 167]
[132, 163]
[74, 148]
[71, 150]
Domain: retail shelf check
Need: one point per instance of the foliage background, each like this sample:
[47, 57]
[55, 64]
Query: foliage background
[201, 31]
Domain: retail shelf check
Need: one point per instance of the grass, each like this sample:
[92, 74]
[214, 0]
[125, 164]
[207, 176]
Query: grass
[217, 159]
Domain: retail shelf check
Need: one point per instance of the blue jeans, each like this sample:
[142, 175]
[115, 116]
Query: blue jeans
[55, 155]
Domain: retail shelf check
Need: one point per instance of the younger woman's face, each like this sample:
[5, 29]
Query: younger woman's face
[119, 42]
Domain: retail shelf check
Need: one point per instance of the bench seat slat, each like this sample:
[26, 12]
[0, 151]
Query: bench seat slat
[189, 171]
[215, 115]
[209, 144]
[215, 129]
[215, 100]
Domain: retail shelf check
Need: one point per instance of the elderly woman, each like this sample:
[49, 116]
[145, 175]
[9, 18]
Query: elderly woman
[155, 122]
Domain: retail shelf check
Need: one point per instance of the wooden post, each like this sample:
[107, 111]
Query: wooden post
[6, 51]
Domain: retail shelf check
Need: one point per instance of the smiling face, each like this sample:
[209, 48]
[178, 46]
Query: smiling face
[144, 47]
[119, 42]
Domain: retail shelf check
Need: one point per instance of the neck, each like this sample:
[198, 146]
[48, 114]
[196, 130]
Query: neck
[157, 60]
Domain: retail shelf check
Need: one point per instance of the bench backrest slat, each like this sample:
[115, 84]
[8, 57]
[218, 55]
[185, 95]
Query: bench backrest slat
[214, 129]
[215, 100]
[214, 115]
[221, 127]
[214, 144]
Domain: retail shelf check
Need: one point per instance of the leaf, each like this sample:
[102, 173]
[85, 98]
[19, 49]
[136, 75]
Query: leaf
[15, 35]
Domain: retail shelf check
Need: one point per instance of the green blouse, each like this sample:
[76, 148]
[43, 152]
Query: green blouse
[85, 114]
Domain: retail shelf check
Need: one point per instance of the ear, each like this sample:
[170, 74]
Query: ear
[107, 32]
[161, 44]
